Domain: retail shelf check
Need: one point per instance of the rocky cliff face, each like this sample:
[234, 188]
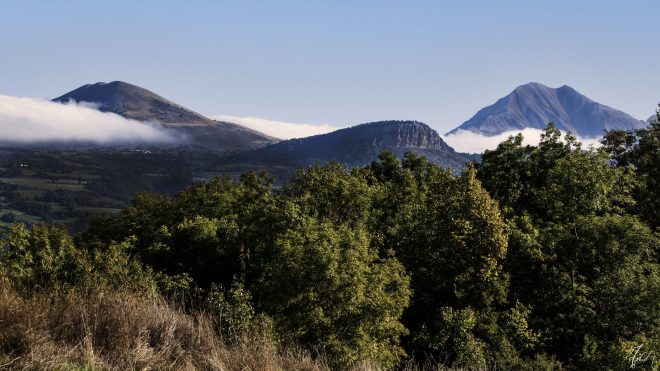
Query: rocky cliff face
[534, 105]
[360, 145]
[402, 134]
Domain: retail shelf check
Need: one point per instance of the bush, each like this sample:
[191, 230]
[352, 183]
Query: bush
[46, 257]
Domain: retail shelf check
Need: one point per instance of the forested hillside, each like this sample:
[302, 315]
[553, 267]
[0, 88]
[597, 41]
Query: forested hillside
[540, 257]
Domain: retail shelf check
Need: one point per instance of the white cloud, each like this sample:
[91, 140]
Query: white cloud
[279, 129]
[468, 141]
[28, 120]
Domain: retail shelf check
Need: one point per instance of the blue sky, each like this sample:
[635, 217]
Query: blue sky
[336, 62]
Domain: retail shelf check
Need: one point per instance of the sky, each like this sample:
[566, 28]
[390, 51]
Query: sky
[336, 63]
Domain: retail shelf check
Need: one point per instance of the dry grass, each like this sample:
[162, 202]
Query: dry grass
[119, 331]
[125, 331]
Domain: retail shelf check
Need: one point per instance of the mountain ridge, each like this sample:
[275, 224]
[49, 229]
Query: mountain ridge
[134, 102]
[137, 103]
[359, 145]
[533, 105]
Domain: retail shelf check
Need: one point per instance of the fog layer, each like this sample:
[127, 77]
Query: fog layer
[29, 120]
[471, 142]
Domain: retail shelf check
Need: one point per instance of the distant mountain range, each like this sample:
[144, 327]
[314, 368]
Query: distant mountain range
[134, 102]
[355, 146]
[529, 106]
[533, 105]
[360, 145]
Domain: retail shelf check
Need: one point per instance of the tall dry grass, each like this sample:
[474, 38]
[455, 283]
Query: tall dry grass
[120, 331]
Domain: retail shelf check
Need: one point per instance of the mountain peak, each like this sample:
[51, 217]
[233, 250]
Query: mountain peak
[114, 85]
[534, 105]
[360, 145]
[531, 85]
[402, 134]
[134, 102]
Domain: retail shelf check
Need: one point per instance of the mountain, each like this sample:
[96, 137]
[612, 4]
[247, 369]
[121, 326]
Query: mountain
[360, 145]
[134, 102]
[533, 105]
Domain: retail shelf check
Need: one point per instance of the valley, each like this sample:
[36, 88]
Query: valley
[70, 186]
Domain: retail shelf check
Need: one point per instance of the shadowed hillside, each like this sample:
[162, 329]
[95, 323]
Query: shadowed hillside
[360, 145]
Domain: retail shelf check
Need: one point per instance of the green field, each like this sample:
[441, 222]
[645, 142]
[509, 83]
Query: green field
[29, 194]
[29, 173]
[97, 210]
[31, 187]
[21, 216]
[41, 184]
[53, 206]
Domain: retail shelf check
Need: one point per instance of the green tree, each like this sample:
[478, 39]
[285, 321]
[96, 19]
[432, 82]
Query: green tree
[303, 254]
[646, 157]
[592, 285]
[620, 145]
[330, 192]
[584, 271]
[641, 150]
[584, 183]
[209, 232]
[456, 264]
[507, 173]
[327, 288]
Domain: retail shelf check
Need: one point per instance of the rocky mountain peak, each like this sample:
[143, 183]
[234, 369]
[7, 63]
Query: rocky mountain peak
[533, 105]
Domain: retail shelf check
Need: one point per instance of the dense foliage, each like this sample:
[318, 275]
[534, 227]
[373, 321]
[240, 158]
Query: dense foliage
[539, 257]
[582, 262]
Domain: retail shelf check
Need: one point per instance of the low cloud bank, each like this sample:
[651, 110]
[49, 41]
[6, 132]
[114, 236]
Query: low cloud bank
[279, 129]
[29, 120]
[471, 142]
